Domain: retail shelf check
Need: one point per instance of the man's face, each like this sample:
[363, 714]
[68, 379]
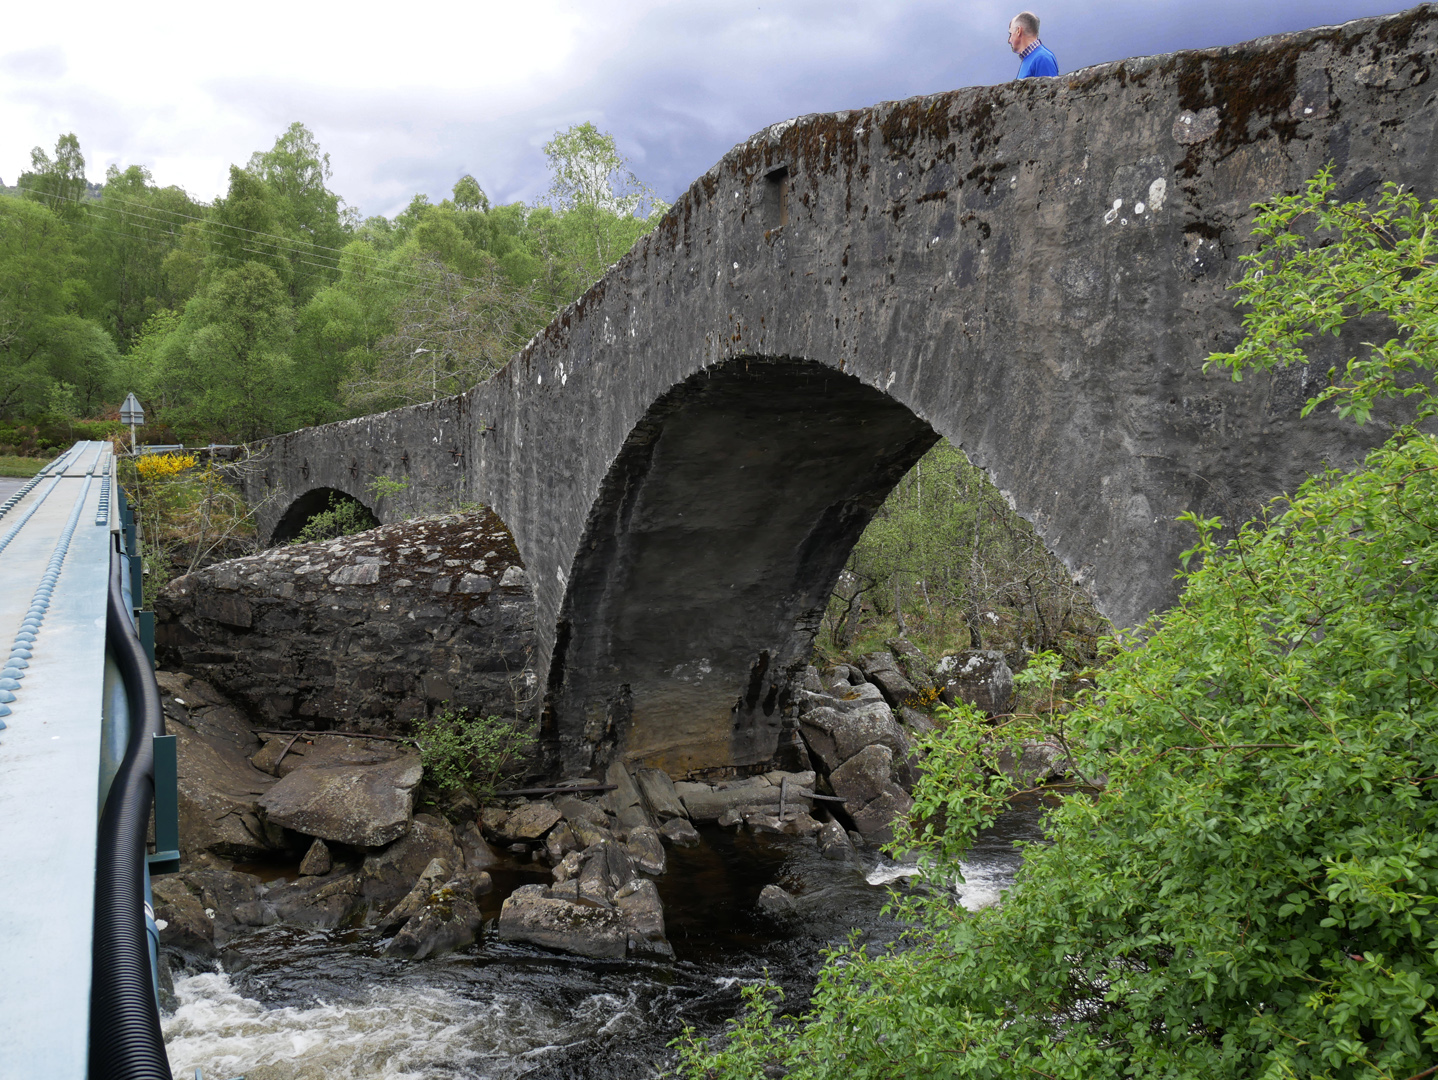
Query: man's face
[1016, 36]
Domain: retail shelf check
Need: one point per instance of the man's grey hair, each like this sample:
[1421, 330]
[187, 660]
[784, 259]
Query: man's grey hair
[1029, 21]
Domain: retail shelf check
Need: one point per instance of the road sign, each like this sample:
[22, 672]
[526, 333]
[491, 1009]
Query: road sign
[131, 412]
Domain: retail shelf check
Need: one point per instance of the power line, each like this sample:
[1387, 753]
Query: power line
[372, 271]
[274, 238]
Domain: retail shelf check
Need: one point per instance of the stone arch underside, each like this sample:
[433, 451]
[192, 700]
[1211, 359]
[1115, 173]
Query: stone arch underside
[1036, 271]
[709, 557]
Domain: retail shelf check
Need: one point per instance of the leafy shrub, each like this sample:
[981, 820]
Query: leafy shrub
[471, 753]
[344, 517]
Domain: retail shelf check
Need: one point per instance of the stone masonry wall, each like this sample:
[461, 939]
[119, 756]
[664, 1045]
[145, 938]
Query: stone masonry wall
[365, 632]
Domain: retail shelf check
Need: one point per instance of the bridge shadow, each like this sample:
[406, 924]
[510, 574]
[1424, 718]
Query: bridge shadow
[709, 557]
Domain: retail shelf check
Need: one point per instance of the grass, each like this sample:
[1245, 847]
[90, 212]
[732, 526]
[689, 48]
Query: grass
[24, 467]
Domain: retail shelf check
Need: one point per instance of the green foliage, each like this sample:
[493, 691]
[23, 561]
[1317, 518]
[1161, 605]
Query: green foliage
[1322, 264]
[344, 517]
[1253, 893]
[382, 487]
[274, 307]
[471, 753]
[946, 562]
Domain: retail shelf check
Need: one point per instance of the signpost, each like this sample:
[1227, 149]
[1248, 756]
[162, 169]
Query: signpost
[132, 414]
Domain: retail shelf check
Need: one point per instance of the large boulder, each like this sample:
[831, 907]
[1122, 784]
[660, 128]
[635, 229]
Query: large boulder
[321, 902]
[871, 797]
[283, 754]
[199, 910]
[567, 922]
[880, 669]
[658, 791]
[360, 805]
[980, 677]
[390, 873]
[219, 790]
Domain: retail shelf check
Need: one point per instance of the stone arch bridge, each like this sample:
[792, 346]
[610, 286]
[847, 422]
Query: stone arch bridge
[1035, 271]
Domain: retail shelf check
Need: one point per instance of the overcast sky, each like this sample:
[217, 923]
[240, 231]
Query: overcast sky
[412, 101]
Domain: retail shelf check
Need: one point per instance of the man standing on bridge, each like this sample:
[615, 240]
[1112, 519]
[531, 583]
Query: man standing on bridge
[1034, 56]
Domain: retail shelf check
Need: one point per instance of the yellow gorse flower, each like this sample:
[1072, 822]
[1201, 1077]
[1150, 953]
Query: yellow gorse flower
[164, 466]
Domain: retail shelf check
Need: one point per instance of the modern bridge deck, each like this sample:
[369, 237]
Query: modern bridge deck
[50, 757]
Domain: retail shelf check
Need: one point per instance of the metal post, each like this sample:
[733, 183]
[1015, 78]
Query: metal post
[166, 859]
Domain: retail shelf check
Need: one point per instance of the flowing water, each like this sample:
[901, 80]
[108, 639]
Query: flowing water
[305, 1005]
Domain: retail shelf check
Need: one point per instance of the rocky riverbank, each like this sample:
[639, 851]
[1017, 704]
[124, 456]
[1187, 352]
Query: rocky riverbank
[336, 814]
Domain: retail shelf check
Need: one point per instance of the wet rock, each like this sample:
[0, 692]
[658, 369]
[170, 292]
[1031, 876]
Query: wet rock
[658, 791]
[644, 915]
[323, 903]
[560, 842]
[529, 823]
[363, 806]
[576, 809]
[834, 842]
[1036, 763]
[448, 919]
[203, 909]
[646, 849]
[575, 924]
[414, 901]
[799, 823]
[877, 819]
[979, 677]
[181, 917]
[388, 874]
[317, 861]
[478, 855]
[680, 833]
[589, 834]
[776, 901]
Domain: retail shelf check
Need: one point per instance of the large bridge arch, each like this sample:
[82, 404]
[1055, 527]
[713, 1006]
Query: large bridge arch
[1035, 271]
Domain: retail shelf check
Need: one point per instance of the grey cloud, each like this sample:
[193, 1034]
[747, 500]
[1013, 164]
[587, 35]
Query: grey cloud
[45, 64]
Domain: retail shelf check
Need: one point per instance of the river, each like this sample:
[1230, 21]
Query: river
[304, 1005]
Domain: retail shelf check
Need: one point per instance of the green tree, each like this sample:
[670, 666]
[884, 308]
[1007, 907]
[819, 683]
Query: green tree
[468, 195]
[228, 371]
[58, 182]
[1253, 892]
[598, 200]
[134, 227]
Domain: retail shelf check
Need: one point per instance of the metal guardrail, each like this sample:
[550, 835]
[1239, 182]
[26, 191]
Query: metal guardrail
[78, 954]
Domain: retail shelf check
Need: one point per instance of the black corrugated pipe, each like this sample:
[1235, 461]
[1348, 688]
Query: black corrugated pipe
[125, 1039]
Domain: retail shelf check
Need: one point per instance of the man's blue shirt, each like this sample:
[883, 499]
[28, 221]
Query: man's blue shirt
[1039, 61]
